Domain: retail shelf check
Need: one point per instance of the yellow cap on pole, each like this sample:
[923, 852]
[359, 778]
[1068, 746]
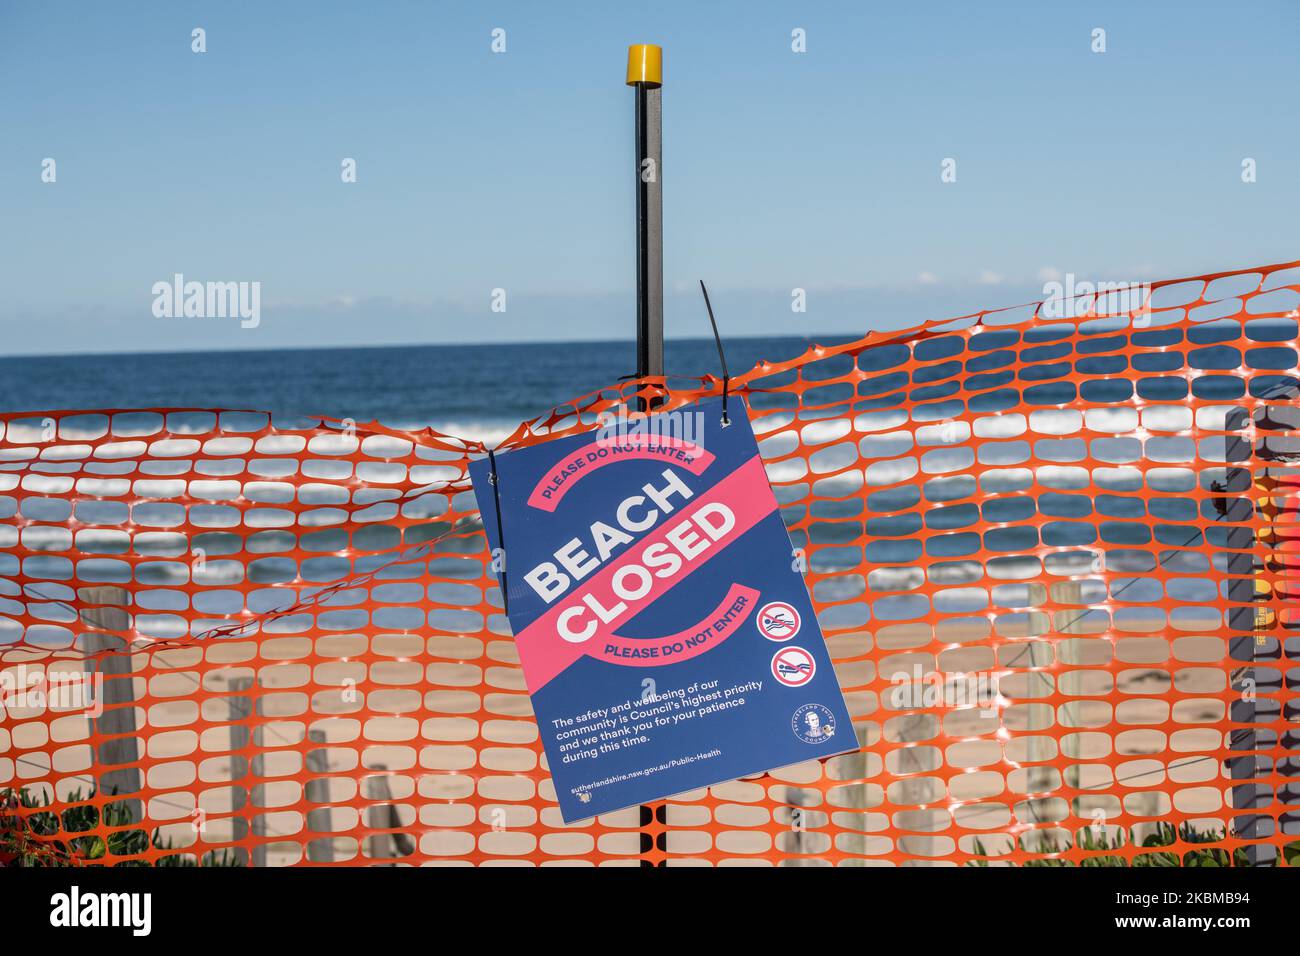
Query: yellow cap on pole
[645, 64]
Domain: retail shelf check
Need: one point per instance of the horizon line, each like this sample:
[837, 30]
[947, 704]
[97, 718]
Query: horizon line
[813, 338]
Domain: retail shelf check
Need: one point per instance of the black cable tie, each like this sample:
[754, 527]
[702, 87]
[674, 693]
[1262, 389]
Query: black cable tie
[722, 359]
[501, 531]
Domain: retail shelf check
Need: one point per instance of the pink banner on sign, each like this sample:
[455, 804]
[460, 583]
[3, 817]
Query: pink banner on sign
[744, 495]
[550, 491]
[682, 646]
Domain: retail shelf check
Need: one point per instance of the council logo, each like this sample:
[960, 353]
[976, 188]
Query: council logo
[813, 723]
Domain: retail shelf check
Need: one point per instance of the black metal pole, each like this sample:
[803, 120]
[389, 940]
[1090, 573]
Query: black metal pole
[645, 75]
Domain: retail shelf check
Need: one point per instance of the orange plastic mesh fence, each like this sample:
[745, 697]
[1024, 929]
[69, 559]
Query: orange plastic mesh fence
[1051, 547]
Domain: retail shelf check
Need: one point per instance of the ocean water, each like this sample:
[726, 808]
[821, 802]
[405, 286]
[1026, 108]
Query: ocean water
[470, 391]
[474, 392]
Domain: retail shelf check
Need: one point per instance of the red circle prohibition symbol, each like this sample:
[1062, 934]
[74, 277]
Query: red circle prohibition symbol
[793, 666]
[778, 621]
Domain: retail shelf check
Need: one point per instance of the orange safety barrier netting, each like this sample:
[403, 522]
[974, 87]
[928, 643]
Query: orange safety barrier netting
[1053, 550]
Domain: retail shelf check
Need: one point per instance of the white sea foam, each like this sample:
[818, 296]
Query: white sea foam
[488, 432]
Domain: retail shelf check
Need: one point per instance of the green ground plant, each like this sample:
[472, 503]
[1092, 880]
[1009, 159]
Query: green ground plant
[1163, 836]
[21, 843]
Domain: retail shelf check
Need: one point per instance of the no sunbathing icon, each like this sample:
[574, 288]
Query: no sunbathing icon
[793, 666]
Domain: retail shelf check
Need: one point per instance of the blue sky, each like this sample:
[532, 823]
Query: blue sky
[477, 171]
